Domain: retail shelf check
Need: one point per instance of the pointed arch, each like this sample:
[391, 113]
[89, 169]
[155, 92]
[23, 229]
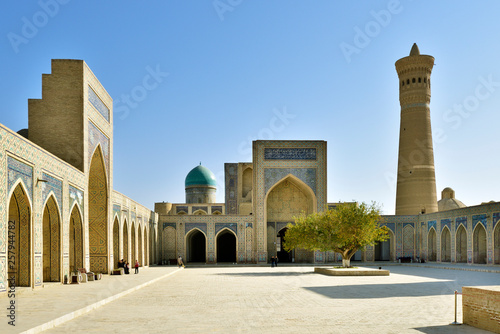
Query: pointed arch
[226, 246]
[461, 244]
[385, 250]
[479, 244]
[496, 243]
[133, 244]
[139, 242]
[98, 213]
[125, 245]
[445, 244]
[304, 188]
[200, 212]
[196, 246]
[431, 244]
[75, 238]
[116, 241]
[145, 245]
[19, 216]
[51, 231]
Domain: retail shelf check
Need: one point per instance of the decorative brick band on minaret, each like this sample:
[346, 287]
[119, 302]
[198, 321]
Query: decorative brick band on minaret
[416, 185]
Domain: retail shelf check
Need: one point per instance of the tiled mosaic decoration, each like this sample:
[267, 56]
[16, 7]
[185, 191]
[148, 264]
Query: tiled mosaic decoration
[273, 175]
[289, 153]
[96, 137]
[98, 104]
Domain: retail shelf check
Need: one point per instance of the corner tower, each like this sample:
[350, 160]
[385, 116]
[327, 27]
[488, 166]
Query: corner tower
[416, 185]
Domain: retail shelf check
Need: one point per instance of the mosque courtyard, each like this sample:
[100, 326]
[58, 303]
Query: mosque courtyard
[254, 299]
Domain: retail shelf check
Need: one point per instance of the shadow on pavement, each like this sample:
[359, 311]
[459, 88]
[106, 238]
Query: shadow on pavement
[264, 274]
[449, 329]
[370, 291]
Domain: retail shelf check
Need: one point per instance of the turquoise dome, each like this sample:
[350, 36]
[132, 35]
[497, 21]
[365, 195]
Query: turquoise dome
[200, 176]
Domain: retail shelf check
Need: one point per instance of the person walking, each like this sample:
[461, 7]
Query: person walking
[136, 266]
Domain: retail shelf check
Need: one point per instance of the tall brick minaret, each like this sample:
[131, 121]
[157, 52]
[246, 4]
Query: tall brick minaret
[416, 185]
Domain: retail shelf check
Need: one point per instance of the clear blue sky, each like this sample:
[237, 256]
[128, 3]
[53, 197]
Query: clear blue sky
[234, 65]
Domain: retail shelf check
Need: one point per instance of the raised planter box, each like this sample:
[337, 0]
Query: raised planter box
[351, 271]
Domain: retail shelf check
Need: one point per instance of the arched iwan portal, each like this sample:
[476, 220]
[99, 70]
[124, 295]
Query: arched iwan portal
[75, 240]
[431, 244]
[196, 246]
[287, 199]
[20, 217]
[479, 244]
[445, 245]
[51, 242]
[98, 213]
[226, 246]
[461, 245]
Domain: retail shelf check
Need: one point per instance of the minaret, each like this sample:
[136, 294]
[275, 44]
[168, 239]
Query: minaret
[416, 186]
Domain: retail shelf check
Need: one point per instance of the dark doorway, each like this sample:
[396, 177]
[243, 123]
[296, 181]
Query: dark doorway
[383, 251]
[283, 255]
[196, 247]
[226, 247]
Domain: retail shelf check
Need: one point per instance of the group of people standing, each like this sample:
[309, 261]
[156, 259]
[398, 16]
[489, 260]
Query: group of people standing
[126, 266]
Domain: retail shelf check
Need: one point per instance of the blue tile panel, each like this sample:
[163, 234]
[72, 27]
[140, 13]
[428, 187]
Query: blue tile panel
[97, 137]
[391, 226]
[204, 208]
[117, 210]
[217, 208]
[16, 170]
[289, 153]
[54, 185]
[479, 218]
[231, 176]
[446, 222]
[431, 224]
[461, 220]
[200, 226]
[165, 225]
[273, 175]
[181, 209]
[76, 195]
[98, 104]
[232, 226]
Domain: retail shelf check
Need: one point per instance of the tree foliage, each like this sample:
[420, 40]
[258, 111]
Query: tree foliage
[344, 229]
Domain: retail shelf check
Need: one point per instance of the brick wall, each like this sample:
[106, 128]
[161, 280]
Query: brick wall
[481, 307]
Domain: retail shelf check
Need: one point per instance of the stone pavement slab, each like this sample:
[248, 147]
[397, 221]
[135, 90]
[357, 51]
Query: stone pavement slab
[37, 307]
[288, 300]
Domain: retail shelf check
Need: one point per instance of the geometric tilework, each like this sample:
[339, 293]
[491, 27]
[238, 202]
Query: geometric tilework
[51, 242]
[273, 175]
[98, 224]
[20, 215]
[75, 240]
[76, 195]
[289, 153]
[96, 102]
[53, 185]
[231, 182]
[96, 137]
[125, 241]
[200, 226]
[16, 170]
[219, 226]
[446, 222]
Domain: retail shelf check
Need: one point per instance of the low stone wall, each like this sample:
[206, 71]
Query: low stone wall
[351, 271]
[481, 307]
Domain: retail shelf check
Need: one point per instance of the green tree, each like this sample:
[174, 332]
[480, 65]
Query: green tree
[344, 229]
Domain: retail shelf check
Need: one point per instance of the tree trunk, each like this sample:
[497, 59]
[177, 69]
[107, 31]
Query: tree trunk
[346, 263]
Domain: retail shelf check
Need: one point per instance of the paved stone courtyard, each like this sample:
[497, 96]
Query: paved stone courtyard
[268, 300]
